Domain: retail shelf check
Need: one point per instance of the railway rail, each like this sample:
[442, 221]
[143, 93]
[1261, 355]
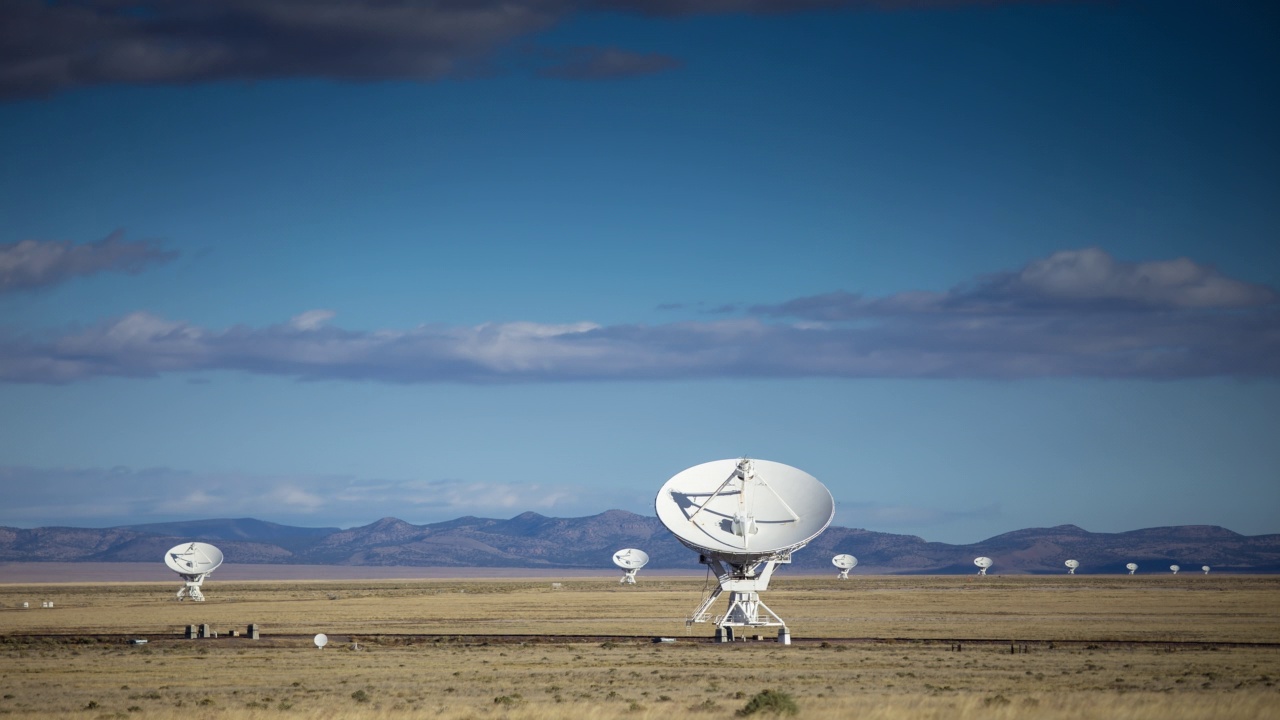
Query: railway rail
[269, 639]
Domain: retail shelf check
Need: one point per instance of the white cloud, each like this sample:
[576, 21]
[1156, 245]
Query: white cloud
[311, 319]
[118, 496]
[1077, 313]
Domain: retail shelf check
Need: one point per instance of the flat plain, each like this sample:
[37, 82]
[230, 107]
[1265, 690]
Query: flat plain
[869, 647]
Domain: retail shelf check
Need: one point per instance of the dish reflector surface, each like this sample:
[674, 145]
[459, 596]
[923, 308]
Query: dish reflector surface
[630, 559]
[982, 562]
[713, 509]
[321, 640]
[845, 562]
[1073, 564]
[194, 558]
[1131, 566]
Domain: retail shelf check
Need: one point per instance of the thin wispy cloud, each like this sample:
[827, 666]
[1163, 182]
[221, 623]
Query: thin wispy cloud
[595, 63]
[32, 264]
[1086, 282]
[46, 47]
[896, 517]
[106, 496]
[1077, 313]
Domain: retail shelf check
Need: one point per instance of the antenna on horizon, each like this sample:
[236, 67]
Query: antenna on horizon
[193, 561]
[983, 563]
[1071, 566]
[845, 563]
[630, 560]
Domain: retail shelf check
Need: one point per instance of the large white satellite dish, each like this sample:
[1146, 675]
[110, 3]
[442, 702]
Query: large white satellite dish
[1071, 566]
[983, 563]
[630, 560]
[321, 640]
[1131, 567]
[744, 517]
[1205, 568]
[193, 561]
[1175, 569]
[844, 563]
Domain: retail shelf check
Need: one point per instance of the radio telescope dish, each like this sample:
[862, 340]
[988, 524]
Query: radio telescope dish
[321, 640]
[845, 563]
[983, 563]
[744, 517]
[1175, 569]
[1131, 567]
[630, 560]
[193, 561]
[1071, 566]
[1205, 568]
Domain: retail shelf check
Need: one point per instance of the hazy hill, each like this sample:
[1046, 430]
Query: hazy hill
[534, 540]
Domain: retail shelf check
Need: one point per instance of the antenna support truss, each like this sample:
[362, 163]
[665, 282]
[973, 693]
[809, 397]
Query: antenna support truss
[744, 581]
[192, 588]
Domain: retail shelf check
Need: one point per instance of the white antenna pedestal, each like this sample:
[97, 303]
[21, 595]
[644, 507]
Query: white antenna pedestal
[192, 588]
[744, 583]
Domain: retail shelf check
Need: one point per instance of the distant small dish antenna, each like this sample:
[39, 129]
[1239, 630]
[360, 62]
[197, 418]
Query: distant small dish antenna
[193, 561]
[1132, 568]
[845, 563]
[321, 640]
[1205, 568]
[744, 517]
[1175, 569]
[630, 560]
[983, 563]
[1071, 566]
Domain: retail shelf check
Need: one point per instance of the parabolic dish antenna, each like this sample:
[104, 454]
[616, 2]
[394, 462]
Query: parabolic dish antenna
[1131, 567]
[193, 561]
[845, 563]
[321, 640]
[630, 560]
[1071, 566]
[1205, 568]
[1175, 569]
[744, 517]
[983, 563]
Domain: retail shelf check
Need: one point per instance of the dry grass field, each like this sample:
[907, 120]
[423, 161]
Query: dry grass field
[870, 647]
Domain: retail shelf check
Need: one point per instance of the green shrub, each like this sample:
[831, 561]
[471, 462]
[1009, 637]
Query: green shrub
[770, 701]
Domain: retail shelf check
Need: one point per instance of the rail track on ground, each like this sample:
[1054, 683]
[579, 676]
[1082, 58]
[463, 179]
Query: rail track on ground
[380, 639]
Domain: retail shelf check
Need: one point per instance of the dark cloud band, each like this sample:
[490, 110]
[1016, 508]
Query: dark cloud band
[40, 263]
[48, 47]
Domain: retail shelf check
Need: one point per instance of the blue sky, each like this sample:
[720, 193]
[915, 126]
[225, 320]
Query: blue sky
[977, 266]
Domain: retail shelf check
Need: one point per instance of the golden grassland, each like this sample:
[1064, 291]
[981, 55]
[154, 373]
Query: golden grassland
[862, 649]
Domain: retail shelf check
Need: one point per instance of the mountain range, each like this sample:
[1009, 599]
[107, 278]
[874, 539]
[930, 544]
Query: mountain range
[533, 540]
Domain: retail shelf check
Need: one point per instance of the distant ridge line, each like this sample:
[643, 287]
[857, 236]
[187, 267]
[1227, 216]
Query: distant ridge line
[532, 540]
